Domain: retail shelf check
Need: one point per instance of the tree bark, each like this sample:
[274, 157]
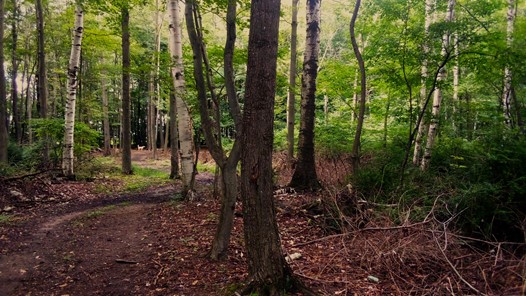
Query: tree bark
[42, 76]
[184, 121]
[126, 118]
[437, 99]
[506, 92]
[268, 272]
[227, 165]
[355, 154]
[14, 74]
[291, 96]
[3, 94]
[105, 116]
[422, 127]
[74, 61]
[305, 177]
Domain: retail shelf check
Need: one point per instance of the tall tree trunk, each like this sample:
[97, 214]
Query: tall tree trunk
[126, 118]
[184, 120]
[355, 154]
[3, 93]
[304, 176]
[174, 139]
[42, 76]
[506, 92]
[105, 116]
[210, 122]
[437, 99]
[14, 74]
[291, 96]
[74, 61]
[268, 272]
[355, 95]
[456, 80]
[422, 127]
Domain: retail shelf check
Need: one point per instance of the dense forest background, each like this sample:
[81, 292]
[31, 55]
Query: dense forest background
[460, 77]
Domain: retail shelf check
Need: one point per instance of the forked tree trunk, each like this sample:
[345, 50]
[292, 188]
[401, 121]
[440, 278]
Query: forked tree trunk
[184, 120]
[437, 99]
[305, 177]
[227, 165]
[74, 61]
[355, 153]
[291, 96]
[3, 97]
[422, 127]
[126, 118]
[506, 92]
[105, 115]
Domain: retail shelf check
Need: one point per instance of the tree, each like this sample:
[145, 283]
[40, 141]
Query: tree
[304, 176]
[42, 90]
[507, 90]
[126, 120]
[73, 69]
[14, 73]
[291, 96]
[105, 115]
[423, 90]
[3, 94]
[355, 154]
[185, 130]
[210, 122]
[268, 272]
[437, 99]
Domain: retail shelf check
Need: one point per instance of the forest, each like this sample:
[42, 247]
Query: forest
[266, 147]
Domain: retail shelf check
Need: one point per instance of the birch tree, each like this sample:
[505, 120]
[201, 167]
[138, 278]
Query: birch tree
[42, 91]
[185, 130]
[3, 96]
[421, 128]
[73, 69]
[305, 176]
[437, 98]
[105, 115]
[507, 90]
[291, 95]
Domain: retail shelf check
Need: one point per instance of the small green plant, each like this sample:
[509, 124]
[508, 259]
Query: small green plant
[100, 212]
[5, 219]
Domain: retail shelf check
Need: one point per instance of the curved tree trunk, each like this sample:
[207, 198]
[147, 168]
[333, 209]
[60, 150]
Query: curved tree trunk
[305, 177]
[185, 129]
[74, 61]
[422, 127]
[437, 99]
[126, 118]
[355, 154]
[291, 96]
[227, 165]
[3, 96]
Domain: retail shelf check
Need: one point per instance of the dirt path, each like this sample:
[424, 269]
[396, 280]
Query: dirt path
[104, 245]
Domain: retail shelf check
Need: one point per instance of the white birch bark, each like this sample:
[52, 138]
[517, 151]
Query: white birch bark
[74, 60]
[291, 96]
[423, 89]
[184, 125]
[506, 92]
[437, 98]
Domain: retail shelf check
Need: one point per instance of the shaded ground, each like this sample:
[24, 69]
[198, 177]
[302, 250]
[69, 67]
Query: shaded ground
[67, 239]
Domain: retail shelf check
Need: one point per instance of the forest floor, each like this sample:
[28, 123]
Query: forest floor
[62, 237]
